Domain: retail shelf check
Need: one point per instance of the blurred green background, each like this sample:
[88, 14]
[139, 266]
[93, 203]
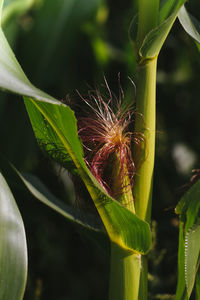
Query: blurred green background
[64, 45]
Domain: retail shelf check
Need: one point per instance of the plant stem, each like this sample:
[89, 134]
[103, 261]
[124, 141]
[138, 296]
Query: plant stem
[124, 275]
[128, 274]
[143, 291]
[145, 124]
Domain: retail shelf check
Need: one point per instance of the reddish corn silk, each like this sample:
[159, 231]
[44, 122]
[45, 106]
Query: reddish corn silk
[105, 135]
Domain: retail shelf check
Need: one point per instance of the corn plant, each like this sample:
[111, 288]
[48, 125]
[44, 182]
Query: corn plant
[114, 161]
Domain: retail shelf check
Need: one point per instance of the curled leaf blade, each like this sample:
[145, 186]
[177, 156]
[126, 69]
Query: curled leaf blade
[190, 24]
[154, 40]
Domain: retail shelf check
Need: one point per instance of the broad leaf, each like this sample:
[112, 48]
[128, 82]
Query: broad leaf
[40, 191]
[47, 137]
[123, 227]
[13, 250]
[190, 24]
[154, 40]
[192, 252]
[88, 223]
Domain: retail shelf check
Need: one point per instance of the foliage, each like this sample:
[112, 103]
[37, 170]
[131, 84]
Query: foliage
[55, 125]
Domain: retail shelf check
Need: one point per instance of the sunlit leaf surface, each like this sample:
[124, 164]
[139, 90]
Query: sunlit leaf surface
[13, 250]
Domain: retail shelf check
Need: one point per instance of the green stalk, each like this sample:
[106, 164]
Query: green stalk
[145, 124]
[145, 112]
[124, 275]
[128, 273]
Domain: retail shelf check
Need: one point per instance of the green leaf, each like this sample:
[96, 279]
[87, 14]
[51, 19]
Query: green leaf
[40, 191]
[189, 205]
[87, 223]
[166, 8]
[189, 23]
[189, 245]
[154, 40]
[181, 293]
[123, 227]
[46, 136]
[192, 251]
[13, 250]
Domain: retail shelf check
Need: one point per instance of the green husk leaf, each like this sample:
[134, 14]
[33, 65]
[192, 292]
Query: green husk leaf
[190, 24]
[13, 249]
